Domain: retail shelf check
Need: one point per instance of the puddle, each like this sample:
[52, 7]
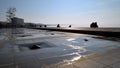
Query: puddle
[54, 50]
[34, 46]
[23, 35]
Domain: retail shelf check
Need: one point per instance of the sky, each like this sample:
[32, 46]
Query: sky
[76, 12]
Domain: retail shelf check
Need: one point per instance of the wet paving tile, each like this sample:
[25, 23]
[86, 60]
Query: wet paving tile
[8, 66]
[6, 59]
[25, 59]
[20, 42]
[29, 64]
[28, 41]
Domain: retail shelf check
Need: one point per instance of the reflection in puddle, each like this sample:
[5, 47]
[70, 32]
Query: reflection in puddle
[76, 58]
[70, 61]
[80, 49]
[71, 39]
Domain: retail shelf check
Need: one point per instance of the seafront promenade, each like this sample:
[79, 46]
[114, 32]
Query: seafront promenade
[57, 49]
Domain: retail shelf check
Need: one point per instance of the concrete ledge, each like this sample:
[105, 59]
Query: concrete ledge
[110, 32]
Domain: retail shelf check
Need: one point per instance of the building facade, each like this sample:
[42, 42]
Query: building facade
[17, 22]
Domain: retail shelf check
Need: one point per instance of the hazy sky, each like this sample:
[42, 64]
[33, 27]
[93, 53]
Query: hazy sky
[79, 12]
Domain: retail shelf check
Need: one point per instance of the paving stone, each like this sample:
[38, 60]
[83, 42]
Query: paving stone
[116, 65]
[29, 65]
[20, 42]
[63, 66]
[8, 66]
[25, 59]
[88, 64]
[6, 59]
[107, 67]
[106, 59]
[27, 62]
[28, 41]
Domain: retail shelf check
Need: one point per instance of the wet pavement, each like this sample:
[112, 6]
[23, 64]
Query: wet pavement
[57, 50]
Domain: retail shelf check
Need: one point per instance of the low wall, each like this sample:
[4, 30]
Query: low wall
[110, 32]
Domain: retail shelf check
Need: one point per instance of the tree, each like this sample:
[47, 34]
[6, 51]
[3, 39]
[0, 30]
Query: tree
[94, 25]
[10, 14]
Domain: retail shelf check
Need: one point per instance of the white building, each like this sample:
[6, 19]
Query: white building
[17, 22]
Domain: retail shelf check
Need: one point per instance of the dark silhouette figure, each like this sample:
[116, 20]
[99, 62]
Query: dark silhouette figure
[40, 26]
[58, 26]
[94, 25]
[69, 26]
[1, 25]
[45, 25]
